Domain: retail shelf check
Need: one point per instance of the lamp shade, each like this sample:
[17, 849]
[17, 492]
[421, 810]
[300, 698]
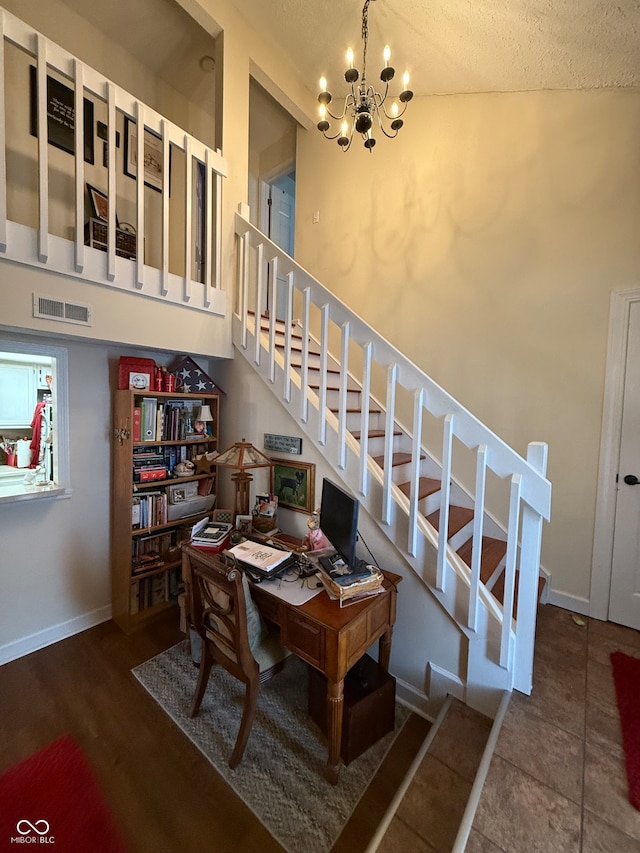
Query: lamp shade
[243, 455]
[204, 414]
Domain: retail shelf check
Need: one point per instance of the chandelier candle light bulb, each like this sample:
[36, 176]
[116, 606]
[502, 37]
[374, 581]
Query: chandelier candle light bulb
[364, 107]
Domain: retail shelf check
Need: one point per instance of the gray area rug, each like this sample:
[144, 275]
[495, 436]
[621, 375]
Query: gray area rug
[281, 775]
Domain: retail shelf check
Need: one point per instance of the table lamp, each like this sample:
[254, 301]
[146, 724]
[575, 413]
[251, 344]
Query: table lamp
[241, 456]
[204, 417]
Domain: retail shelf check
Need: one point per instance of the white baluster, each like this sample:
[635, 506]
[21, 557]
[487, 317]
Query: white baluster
[478, 529]
[365, 403]
[416, 448]
[392, 378]
[445, 491]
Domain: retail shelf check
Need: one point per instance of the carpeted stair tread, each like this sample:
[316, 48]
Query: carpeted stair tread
[459, 517]
[396, 459]
[426, 486]
[373, 433]
[355, 411]
[498, 591]
[493, 551]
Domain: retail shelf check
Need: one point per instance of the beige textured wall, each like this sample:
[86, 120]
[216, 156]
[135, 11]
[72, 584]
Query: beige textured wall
[484, 242]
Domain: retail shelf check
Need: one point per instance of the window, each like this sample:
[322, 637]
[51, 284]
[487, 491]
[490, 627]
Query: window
[34, 421]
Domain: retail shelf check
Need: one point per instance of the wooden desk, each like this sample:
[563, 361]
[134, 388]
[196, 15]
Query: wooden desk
[332, 639]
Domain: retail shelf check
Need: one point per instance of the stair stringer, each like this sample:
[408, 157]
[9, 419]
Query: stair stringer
[485, 679]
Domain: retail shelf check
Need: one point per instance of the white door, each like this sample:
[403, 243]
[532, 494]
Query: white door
[279, 225]
[624, 598]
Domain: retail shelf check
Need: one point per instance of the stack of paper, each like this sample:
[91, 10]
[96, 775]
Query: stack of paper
[348, 587]
[264, 558]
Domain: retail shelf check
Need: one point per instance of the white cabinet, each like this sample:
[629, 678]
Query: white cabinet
[18, 395]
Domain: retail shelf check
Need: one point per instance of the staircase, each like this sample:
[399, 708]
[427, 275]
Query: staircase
[460, 520]
[352, 394]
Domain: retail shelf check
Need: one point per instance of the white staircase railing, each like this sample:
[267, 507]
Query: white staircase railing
[193, 224]
[500, 649]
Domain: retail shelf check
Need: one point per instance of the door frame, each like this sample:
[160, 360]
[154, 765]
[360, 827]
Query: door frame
[610, 438]
[264, 182]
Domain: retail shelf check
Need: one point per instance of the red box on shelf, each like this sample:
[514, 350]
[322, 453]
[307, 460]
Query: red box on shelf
[153, 474]
[129, 364]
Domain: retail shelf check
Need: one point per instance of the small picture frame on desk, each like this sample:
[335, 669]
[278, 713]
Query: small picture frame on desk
[243, 524]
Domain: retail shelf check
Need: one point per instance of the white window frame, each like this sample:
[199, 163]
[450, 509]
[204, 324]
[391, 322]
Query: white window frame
[61, 473]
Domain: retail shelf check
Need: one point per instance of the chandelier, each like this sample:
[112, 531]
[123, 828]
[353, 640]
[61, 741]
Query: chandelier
[363, 106]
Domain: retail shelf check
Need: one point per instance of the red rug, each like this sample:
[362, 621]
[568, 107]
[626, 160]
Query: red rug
[53, 798]
[626, 674]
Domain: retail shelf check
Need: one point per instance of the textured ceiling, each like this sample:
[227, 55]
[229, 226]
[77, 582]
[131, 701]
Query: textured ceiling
[457, 46]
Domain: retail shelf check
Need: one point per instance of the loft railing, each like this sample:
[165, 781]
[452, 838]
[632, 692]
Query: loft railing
[195, 225]
[504, 656]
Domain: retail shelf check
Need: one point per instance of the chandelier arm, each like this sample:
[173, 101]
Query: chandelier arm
[337, 118]
[389, 135]
[329, 136]
[391, 117]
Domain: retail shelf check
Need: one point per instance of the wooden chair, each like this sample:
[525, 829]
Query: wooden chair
[232, 632]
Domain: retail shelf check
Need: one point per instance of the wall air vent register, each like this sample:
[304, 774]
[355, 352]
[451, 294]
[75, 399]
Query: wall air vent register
[49, 308]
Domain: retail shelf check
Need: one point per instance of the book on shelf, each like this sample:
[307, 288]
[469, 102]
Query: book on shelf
[137, 423]
[146, 562]
[151, 509]
[149, 411]
[265, 558]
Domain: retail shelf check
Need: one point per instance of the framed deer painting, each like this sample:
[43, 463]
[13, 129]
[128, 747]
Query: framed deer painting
[293, 483]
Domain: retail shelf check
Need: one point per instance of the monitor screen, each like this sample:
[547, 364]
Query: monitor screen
[339, 520]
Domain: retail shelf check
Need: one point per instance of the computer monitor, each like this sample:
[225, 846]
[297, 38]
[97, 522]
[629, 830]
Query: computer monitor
[339, 520]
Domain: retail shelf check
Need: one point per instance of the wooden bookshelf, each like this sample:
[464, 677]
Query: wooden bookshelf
[137, 534]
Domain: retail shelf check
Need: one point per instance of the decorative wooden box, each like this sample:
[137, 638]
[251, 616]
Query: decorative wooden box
[369, 706]
[95, 235]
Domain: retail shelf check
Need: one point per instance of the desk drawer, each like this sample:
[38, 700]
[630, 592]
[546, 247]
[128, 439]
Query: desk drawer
[304, 637]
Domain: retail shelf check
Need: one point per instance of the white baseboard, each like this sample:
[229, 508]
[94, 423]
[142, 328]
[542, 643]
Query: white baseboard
[574, 603]
[55, 633]
[412, 699]
[441, 683]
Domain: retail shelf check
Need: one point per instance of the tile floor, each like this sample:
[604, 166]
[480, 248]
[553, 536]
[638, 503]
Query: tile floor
[429, 815]
[557, 781]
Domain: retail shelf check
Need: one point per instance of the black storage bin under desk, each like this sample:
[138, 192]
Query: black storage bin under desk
[369, 706]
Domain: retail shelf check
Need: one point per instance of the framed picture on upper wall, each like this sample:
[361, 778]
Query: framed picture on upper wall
[293, 483]
[61, 115]
[99, 204]
[153, 155]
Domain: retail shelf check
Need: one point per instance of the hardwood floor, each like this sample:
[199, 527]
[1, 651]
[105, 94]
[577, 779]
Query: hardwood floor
[165, 795]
